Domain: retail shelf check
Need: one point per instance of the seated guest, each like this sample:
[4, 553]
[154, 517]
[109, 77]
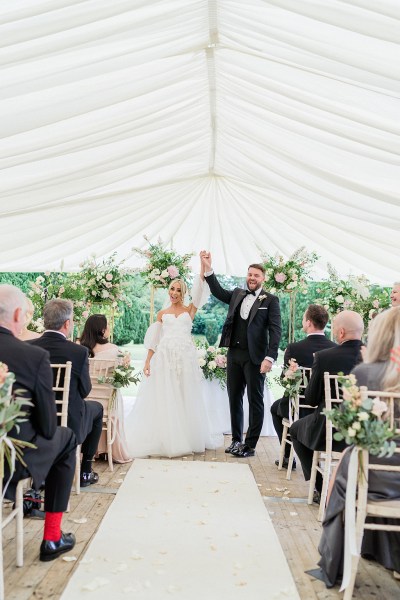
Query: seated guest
[378, 372]
[84, 417]
[395, 294]
[95, 338]
[309, 433]
[314, 322]
[27, 334]
[53, 459]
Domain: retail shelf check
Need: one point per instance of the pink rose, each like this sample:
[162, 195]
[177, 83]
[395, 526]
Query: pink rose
[375, 304]
[280, 277]
[109, 276]
[220, 359]
[172, 271]
[85, 314]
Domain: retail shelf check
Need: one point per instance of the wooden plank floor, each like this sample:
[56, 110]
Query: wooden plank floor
[295, 522]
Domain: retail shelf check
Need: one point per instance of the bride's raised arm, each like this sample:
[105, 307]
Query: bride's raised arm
[200, 292]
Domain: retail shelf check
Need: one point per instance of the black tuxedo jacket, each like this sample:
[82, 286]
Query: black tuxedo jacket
[264, 326]
[303, 352]
[61, 350]
[311, 429]
[34, 377]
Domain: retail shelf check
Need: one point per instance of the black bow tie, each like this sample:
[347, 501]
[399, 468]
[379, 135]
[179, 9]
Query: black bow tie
[250, 292]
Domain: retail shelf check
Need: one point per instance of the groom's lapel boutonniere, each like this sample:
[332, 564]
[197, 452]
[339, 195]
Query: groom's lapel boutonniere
[262, 297]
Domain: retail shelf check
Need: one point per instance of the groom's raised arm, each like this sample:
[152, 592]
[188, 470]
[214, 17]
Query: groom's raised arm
[217, 290]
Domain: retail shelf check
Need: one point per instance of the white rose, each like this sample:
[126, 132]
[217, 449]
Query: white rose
[164, 273]
[339, 299]
[363, 416]
[202, 362]
[105, 294]
[212, 365]
[357, 426]
[351, 432]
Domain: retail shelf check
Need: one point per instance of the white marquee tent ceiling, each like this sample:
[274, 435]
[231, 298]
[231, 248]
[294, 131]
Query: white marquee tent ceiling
[221, 124]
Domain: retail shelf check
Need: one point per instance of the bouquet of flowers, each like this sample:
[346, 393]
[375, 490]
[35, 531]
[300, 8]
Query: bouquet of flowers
[360, 420]
[212, 362]
[103, 281]
[163, 265]
[377, 301]
[291, 380]
[353, 293]
[11, 414]
[288, 275]
[57, 285]
[123, 375]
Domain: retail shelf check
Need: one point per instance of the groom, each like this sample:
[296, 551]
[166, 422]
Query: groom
[252, 331]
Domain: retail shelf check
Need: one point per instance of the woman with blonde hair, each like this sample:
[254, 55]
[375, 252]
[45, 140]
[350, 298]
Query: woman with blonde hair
[169, 417]
[379, 373]
[27, 334]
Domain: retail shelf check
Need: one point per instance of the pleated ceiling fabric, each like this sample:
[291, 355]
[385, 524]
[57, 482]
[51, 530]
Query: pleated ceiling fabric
[221, 124]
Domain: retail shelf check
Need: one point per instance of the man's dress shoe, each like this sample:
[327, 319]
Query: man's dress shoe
[51, 550]
[244, 451]
[89, 478]
[232, 447]
[285, 463]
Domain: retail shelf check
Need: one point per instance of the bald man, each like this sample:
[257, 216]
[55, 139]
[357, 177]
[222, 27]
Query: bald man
[309, 433]
[52, 460]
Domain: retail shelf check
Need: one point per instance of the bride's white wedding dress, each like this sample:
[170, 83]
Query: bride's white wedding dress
[169, 417]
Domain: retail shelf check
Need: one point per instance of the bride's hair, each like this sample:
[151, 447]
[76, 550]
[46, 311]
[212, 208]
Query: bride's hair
[93, 332]
[183, 288]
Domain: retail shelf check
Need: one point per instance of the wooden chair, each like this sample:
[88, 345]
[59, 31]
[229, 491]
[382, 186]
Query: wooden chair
[389, 509]
[333, 395]
[61, 385]
[105, 394]
[295, 404]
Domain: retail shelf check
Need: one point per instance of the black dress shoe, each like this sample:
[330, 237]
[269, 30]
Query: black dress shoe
[244, 451]
[51, 550]
[285, 463]
[89, 478]
[233, 446]
[316, 497]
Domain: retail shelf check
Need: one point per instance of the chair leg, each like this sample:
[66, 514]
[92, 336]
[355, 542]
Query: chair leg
[109, 444]
[78, 470]
[19, 522]
[348, 592]
[283, 444]
[325, 484]
[313, 477]
[290, 463]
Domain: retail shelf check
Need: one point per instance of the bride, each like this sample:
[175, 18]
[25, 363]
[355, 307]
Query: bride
[169, 417]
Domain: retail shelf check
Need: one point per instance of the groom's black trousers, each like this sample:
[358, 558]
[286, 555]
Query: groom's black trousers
[241, 372]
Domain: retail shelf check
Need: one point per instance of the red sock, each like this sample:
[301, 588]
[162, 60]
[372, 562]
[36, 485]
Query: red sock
[52, 526]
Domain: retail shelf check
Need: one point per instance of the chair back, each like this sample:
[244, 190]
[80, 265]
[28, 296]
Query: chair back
[333, 395]
[298, 402]
[102, 392]
[61, 383]
[357, 494]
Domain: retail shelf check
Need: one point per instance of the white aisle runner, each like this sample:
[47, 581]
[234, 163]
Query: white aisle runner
[187, 530]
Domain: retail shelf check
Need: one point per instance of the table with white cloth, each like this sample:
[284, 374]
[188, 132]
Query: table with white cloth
[217, 404]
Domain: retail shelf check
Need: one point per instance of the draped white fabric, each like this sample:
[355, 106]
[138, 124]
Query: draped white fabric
[217, 124]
